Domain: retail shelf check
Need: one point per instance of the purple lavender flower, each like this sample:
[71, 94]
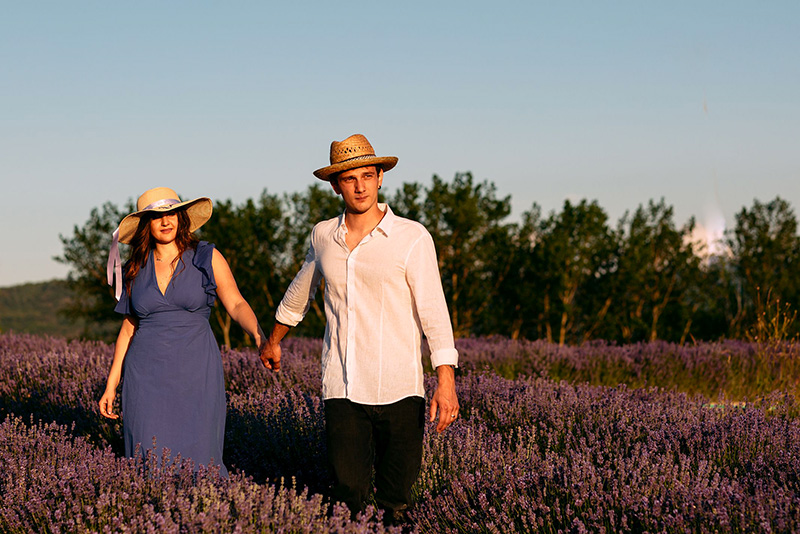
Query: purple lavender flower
[599, 438]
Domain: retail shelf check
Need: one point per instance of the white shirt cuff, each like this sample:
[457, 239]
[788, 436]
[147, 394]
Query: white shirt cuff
[444, 357]
[287, 317]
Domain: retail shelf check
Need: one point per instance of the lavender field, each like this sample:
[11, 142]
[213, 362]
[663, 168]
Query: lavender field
[600, 438]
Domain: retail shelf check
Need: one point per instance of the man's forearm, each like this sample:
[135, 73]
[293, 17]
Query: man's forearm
[279, 331]
[446, 375]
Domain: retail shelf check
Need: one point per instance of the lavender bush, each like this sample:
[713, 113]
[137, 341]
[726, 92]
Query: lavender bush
[53, 482]
[542, 445]
[733, 369]
[278, 434]
[56, 380]
[532, 456]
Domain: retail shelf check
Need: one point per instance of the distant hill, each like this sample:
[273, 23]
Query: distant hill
[34, 309]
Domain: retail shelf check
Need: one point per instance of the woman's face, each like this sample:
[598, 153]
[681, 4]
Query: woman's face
[164, 229]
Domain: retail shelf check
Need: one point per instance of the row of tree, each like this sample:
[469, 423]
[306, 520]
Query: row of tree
[568, 277]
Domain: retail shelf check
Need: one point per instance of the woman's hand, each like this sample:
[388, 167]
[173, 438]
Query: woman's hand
[107, 405]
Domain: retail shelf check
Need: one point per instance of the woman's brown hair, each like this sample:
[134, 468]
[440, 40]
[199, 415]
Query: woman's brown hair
[143, 242]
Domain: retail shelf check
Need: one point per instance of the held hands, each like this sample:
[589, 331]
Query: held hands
[271, 356]
[107, 405]
[444, 399]
[270, 352]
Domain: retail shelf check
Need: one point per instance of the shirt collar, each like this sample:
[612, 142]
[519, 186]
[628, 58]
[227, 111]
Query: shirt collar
[385, 226]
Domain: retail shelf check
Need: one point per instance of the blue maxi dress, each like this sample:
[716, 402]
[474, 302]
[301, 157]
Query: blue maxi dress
[173, 387]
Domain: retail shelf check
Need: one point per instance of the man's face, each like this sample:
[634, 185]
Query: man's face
[359, 188]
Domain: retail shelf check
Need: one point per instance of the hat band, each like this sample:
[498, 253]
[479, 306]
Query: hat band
[368, 156]
[162, 202]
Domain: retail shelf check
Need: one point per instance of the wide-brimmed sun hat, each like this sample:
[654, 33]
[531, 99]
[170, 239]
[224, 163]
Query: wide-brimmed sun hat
[353, 152]
[157, 201]
[160, 200]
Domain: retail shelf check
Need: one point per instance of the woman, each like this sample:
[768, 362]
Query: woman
[174, 390]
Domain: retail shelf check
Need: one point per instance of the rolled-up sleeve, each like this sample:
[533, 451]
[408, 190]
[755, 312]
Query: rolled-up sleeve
[297, 299]
[422, 274]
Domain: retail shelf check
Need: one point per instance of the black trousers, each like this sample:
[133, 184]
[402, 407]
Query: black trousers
[386, 437]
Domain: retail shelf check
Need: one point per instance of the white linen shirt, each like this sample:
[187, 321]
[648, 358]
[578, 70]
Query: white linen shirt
[379, 299]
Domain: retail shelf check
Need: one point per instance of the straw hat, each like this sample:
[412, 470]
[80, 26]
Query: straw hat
[157, 200]
[163, 200]
[353, 152]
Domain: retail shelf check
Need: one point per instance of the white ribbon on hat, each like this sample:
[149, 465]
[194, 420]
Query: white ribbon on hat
[114, 265]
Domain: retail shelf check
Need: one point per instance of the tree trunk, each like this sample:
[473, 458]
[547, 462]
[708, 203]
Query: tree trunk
[689, 324]
[224, 321]
[547, 319]
[270, 301]
[516, 326]
[600, 316]
[454, 311]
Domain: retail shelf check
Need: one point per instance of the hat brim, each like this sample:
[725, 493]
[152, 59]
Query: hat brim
[384, 162]
[199, 211]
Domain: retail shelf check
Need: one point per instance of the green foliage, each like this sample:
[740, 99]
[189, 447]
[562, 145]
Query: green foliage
[265, 243]
[568, 277]
[774, 322]
[558, 283]
[86, 252]
[658, 273]
[576, 255]
[765, 252]
[29, 308]
[249, 237]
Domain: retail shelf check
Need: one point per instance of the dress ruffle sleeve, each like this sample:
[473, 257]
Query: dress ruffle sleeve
[202, 260]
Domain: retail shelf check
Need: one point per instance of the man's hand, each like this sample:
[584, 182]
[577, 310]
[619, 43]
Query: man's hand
[270, 352]
[444, 398]
[271, 356]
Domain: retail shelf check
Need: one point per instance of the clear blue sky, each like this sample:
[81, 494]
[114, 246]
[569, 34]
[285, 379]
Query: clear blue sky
[619, 102]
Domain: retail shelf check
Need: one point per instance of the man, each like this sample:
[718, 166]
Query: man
[383, 291]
